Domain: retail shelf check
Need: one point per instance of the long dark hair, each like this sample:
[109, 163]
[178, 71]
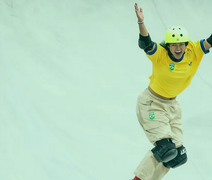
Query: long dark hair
[164, 45]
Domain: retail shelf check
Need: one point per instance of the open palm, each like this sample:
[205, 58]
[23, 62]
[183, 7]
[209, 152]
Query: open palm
[139, 13]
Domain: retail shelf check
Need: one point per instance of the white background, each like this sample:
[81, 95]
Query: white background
[70, 74]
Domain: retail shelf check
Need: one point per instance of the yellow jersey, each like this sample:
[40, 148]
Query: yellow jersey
[171, 76]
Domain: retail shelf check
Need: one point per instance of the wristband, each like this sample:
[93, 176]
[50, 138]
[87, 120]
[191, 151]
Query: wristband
[140, 22]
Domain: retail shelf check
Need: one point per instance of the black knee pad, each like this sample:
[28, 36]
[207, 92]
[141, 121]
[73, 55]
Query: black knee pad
[165, 150]
[179, 160]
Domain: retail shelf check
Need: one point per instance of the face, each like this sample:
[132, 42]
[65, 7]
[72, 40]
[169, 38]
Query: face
[177, 49]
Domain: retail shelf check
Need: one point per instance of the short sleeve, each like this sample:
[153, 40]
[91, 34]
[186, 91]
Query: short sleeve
[198, 48]
[156, 54]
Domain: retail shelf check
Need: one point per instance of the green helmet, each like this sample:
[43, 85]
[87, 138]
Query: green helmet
[176, 34]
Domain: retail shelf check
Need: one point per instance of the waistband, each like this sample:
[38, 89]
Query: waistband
[159, 96]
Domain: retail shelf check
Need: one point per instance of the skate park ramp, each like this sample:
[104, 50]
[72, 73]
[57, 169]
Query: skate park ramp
[70, 74]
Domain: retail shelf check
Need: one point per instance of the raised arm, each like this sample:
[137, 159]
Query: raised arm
[144, 41]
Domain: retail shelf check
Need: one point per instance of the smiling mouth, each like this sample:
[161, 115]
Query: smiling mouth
[178, 52]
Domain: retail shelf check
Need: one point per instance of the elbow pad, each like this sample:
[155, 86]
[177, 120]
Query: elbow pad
[145, 43]
[209, 40]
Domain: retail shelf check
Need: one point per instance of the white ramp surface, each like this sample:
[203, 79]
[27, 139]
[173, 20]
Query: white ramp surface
[70, 74]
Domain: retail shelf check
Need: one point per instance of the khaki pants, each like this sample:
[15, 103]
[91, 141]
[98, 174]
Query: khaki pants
[159, 119]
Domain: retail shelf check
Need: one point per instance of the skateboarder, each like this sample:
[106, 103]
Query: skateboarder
[174, 64]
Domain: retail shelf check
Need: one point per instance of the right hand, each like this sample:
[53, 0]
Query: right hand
[139, 13]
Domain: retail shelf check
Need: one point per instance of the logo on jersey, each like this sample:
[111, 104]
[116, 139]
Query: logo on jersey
[171, 66]
[190, 63]
[151, 115]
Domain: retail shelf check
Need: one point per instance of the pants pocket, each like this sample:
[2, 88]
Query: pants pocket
[151, 125]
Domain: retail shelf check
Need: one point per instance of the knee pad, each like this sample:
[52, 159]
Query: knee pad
[165, 150]
[179, 160]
